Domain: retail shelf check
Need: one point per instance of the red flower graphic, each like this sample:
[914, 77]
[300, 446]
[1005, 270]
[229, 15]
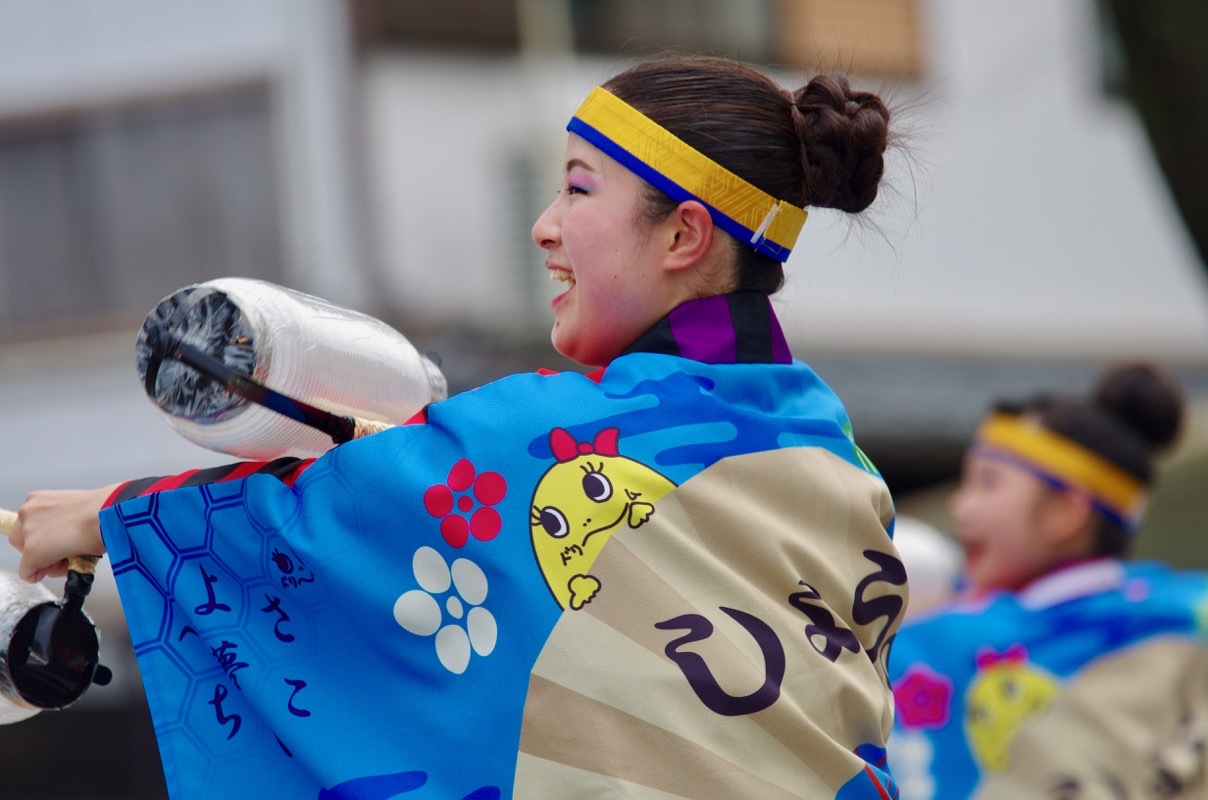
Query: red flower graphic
[923, 697]
[451, 501]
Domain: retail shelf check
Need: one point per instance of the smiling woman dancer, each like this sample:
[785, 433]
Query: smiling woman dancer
[1064, 670]
[671, 578]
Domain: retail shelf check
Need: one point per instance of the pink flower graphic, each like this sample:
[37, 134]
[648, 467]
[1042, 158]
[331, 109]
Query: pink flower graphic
[923, 698]
[453, 501]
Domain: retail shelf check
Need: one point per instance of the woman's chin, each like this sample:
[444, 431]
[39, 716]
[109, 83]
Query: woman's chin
[562, 340]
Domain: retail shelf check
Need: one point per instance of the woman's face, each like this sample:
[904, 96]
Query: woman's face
[600, 247]
[1002, 520]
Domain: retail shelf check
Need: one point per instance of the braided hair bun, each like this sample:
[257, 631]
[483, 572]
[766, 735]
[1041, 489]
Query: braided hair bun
[1145, 398]
[843, 135]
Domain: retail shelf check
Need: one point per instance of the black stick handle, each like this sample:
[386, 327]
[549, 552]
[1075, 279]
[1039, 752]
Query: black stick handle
[340, 428]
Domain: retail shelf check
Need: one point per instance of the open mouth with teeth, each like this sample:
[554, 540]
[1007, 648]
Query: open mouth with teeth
[559, 275]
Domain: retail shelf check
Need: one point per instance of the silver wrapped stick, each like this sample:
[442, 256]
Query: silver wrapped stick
[310, 354]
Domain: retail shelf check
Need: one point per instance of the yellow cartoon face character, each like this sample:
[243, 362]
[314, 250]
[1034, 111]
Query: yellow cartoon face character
[1006, 693]
[590, 492]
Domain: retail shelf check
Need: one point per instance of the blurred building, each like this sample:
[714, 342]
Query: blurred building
[391, 155]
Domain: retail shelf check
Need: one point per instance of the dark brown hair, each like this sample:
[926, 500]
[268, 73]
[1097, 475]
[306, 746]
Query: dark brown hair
[1134, 414]
[821, 146]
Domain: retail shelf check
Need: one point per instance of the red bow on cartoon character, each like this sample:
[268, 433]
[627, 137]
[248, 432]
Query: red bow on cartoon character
[1015, 654]
[565, 448]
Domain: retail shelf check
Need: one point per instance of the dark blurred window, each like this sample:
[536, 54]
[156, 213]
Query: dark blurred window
[489, 25]
[736, 28]
[103, 211]
[870, 37]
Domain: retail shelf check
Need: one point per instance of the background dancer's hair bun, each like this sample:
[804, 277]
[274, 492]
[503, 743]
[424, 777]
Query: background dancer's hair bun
[1146, 398]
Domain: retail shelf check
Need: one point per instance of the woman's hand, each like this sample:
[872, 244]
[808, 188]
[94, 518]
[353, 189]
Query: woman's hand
[54, 525]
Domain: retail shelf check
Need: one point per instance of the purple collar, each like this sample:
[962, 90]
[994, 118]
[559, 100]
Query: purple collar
[738, 328]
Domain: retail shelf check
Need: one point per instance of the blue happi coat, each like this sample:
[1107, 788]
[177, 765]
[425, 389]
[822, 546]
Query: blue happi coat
[673, 578]
[1091, 682]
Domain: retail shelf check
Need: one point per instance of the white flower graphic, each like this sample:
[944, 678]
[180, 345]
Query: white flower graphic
[910, 762]
[420, 612]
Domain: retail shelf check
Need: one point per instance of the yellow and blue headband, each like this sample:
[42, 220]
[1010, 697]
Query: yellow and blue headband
[659, 157]
[1114, 492]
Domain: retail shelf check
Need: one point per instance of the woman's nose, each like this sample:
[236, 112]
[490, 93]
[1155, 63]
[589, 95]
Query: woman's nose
[545, 230]
[958, 503]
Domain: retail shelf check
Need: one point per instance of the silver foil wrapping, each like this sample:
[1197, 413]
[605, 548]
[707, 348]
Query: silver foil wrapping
[332, 357]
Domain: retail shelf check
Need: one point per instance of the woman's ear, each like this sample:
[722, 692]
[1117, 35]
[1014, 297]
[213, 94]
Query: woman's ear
[1068, 515]
[688, 235]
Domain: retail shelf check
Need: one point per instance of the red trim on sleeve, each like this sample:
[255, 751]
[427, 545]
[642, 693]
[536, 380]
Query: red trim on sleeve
[289, 479]
[242, 470]
[114, 495]
[168, 482]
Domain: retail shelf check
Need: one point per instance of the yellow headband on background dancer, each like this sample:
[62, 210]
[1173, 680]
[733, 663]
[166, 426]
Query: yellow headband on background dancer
[656, 155]
[1117, 494]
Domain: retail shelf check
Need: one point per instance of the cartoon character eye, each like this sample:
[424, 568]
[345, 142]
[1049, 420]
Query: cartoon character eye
[554, 522]
[282, 561]
[597, 487]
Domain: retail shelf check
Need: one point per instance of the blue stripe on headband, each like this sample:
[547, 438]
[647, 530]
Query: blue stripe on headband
[673, 189]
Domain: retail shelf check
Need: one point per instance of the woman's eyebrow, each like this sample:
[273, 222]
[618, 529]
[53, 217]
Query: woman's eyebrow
[578, 162]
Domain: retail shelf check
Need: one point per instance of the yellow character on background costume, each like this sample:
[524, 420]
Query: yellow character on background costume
[1006, 693]
[591, 491]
